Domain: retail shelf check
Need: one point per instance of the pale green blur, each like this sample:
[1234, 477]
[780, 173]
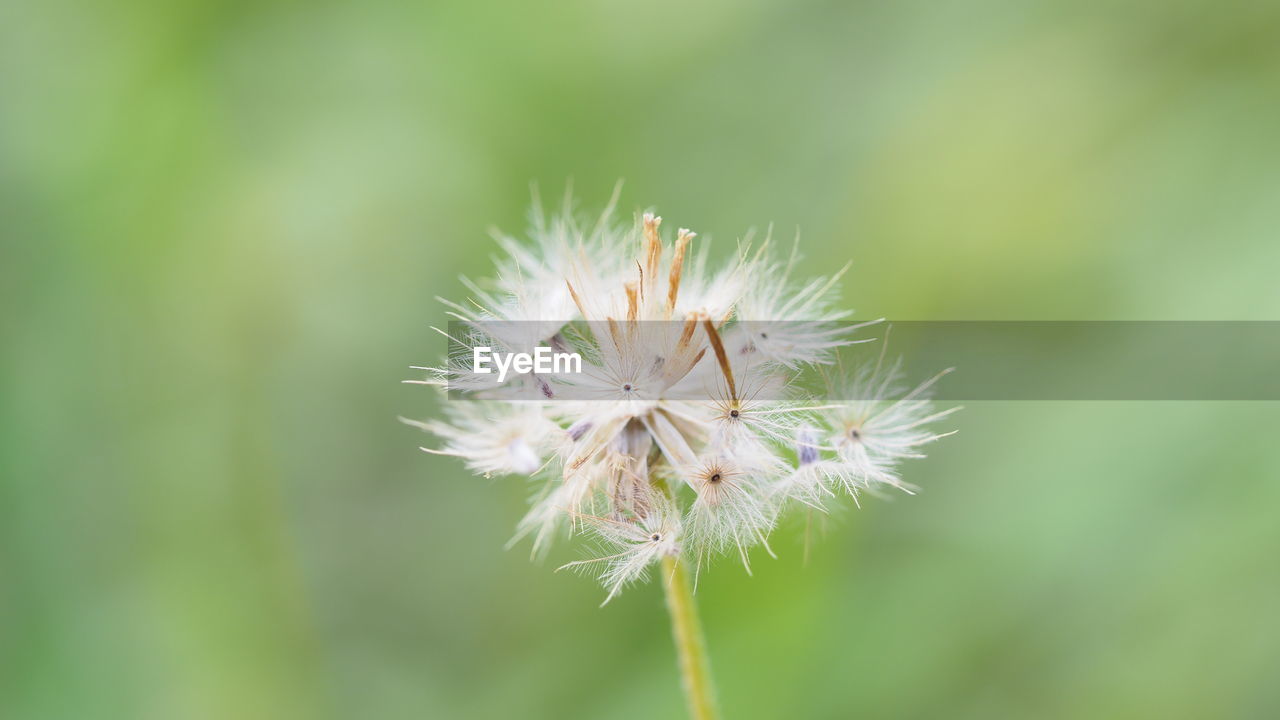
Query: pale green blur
[223, 226]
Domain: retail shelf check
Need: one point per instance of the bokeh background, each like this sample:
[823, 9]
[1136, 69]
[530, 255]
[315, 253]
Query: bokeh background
[223, 224]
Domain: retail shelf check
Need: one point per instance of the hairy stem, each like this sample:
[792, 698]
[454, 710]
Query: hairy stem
[691, 648]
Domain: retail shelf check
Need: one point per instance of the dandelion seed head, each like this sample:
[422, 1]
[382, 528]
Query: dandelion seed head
[682, 434]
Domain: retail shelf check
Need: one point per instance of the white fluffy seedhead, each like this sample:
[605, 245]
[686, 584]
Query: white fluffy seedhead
[685, 433]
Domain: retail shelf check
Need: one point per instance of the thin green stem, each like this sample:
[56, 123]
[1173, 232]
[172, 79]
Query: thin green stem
[691, 648]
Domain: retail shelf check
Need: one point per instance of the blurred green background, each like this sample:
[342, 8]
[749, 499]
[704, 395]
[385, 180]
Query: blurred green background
[223, 226]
